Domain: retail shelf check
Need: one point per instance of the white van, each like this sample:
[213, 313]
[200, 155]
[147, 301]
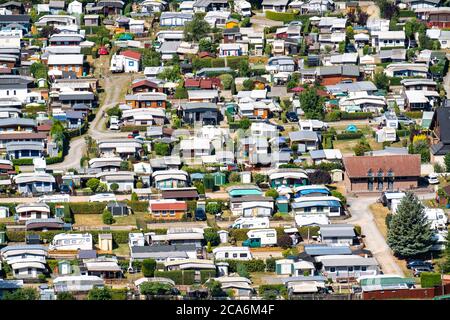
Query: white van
[234, 253]
[102, 197]
[72, 241]
[261, 238]
[251, 223]
[57, 198]
[114, 123]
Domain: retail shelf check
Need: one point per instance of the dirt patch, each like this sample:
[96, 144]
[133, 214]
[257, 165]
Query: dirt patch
[379, 213]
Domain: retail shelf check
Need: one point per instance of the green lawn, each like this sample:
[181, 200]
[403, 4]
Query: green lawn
[96, 219]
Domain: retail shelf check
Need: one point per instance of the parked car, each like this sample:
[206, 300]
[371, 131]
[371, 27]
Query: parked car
[418, 263]
[65, 189]
[292, 116]
[200, 214]
[433, 178]
[402, 119]
[419, 270]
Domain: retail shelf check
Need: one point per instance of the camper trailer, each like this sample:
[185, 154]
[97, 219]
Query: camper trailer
[72, 241]
[136, 239]
[243, 7]
[251, 223]
[261, 238]
[57, 198]
[437, 218]
[306, 220]
[235, 253]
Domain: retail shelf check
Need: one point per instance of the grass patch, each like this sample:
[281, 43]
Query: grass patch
[122, 250]
[96, 219]
[379, 213]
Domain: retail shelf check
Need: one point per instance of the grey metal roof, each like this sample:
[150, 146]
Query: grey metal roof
[15, 80]
[169, 15]
[303, 135]
[198, 105]
[23, 122]
[344, 261]
[323, 250]
[337, 231]
[352, 87]
[348, 70]
[24, 145]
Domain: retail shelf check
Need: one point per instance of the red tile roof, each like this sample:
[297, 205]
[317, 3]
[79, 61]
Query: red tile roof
[23, 136]
[146, 83]
[131, 54]
[401, 165]
[168, 206]
[44, 127]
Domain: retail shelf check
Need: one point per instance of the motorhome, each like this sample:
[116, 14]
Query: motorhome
[235, 253]
[437, 218]
[57, 198]
[251, 223]
[136, 239]
[243, 7]
[72, 241]
[261, 238]
[307, 220]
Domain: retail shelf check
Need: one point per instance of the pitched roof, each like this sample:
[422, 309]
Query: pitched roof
[131, 54]
[401, 165]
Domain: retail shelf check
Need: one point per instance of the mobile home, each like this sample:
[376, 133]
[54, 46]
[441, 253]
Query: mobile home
[250, 223]
[66, 241]
[136, 239]
[261, 238]
[235, 253]
[328, 205]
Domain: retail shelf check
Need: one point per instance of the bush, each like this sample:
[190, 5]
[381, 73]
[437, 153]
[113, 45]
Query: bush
[284, 241]
[276, 289]
[414, 114]
[211, 236]
[114, 187]
[148, 267]
[319, 177]
[340, 196]
[349, 135]
[280, 16]
[180, 277]
[93, 184]
[207, 274]
[107, 217]
[272, 193]
[430, 279]
[138, 206]
[270, 264]
[356, 115]
[87, 207]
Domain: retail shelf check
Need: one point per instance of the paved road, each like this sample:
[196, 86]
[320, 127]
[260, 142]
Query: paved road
[113, 87]
[374, 240]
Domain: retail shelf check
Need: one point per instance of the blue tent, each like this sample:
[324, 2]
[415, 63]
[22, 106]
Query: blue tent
[197, 176]
[351, 128]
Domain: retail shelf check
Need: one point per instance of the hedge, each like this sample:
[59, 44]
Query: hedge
[207, 274]
[183, 277]
[270, 264]
[281, 16]
[51, 160]
[279, 288]
[234, 62]
[355, 115]
[414, 114]
[349, 135]
[430, 279]
[138, 206]
[132, 128]
[87, 207]
[22, 162]
[395, 81]
[119, 237]
[403, 133]
[78, 132]
[255, 265]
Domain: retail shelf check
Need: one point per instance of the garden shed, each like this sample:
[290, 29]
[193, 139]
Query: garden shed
[282, 204]
[219, 178]
[105, 241]
[64, 267]
[284, 266]
[118, 208]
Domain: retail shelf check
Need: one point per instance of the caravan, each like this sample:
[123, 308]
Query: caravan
[235, 253]
[136, 239]
[251, 223]
[57, 198]
[261, 238]
[72, 241]
[307, 220]
[437, 218]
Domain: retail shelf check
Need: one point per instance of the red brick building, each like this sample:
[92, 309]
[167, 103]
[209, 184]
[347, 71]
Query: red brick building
[381, 173]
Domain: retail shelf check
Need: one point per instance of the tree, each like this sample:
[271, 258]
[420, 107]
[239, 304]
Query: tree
[312, 104]
[215, 288]
[102, 187]
[284, 241]
[114, 187]
[151, 58]
[445, 267]
[245, 22]
[134, 196]
[207, 46]
[245, 123]
[319, 177]
[381, 80]
[148, 267]
[272, 193]
[259, 178]
[196, 29]
[420, 145]
[388, 9]
[362, 147]
[248, 85]
[93, 184]
[107, 217]
[409, 231]
[180, 93]
[100, 294]
[244, 69]
[349, 32]
[65, 296]
[227, 81]
[242, 270]
[213, 208]
[200, 187]
[22, 294]
[172, 73]
[234, 177]
[211, 236]
[155, 289]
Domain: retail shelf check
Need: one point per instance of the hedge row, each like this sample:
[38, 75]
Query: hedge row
[349, 135]
[281, 16]
[430, 279]
[414, 114]
[59, 158]
[207, 274]
[132, 128]
[356, 115]
[183, 277]
[119, 237]
[22, 162]
[255, 265]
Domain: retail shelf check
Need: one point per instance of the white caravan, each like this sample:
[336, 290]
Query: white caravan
[72, 241]
[251, 223]
[136, 239]
[306, 220]
[57, 198]
[437, 218]
[235, 253]
[261, 238]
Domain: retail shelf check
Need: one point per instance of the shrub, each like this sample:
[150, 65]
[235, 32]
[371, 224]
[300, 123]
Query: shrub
[100, 294]
[284, 241]
[207, 274]
[155, 288]
[280, 16]
[272, 289]
[148, 267]
[211, 236]
[430, 279]
[183, 277]
[349, 135]
[234, 177]
[93, 184]
[319, 177]
[65, 296]
[114, 187]
[270, 264]
[340, 196]
[241, 269]
[107, 217]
